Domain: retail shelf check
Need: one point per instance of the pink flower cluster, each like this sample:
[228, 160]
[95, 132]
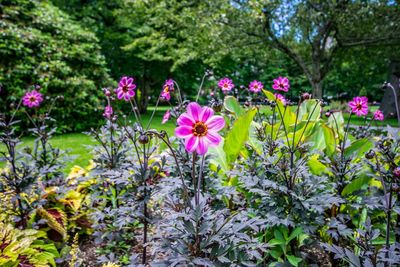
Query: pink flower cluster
[108, 112]
[199, 127]
[359, 105]
[168, 87]
[126, 88]
[32, 99]
[226, 84]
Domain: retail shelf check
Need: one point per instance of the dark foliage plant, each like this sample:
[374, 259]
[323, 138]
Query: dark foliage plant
[266, 183]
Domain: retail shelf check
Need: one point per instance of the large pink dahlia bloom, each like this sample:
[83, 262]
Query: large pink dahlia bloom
[199, 127]
[32, 99]
[359, 105]
[126, 88]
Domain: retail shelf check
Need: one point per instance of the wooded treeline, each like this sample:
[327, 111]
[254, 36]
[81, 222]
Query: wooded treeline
[76, 47]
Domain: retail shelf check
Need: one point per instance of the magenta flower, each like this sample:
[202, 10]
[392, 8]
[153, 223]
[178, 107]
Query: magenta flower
[281, 98]
[256, 86]
[378, 115]
[199, 127]
[281, 84]
[225, 84]
[359, 105]
[126, 88]
[166, 117]
[165, 94]
[170, 84]
[32, 99]
[108, 112]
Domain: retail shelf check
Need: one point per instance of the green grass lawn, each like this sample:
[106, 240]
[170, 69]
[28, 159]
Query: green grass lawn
[77, 143]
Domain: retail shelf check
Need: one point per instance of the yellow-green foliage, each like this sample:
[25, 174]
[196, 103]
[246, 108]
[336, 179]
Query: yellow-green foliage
[24, 247]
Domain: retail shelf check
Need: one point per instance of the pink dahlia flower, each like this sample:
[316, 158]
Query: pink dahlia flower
[225, 84]
[359, 105]
[166, 117]
[378, 115]
[281, 98]
[170, 84]
[256, 86]
[166, 94]
[32, 99]
[108, 112]
[281, 84]
[199, 127]
[126, 88]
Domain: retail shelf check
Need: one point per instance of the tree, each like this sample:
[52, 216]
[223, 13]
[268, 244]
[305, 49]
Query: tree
[42, 45]
[312, 32]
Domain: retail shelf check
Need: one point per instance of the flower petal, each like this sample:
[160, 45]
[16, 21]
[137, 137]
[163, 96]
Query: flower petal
[191, 143]
[183, 131]
[202, 148]
[185, 120]
[213, 138]
[194, 110]
[215, 123]
[206, 113]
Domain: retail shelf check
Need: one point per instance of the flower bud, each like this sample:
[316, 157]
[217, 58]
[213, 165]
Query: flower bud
[143, 139]
[328, 114]
[370, 154]
[306, 96]
[396, 173]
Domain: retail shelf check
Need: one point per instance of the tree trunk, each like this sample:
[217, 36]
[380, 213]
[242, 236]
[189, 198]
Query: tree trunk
[388, 105]
[316, 89]
[142, 99]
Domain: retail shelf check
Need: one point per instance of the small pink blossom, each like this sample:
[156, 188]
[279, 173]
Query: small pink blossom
[126, 88]
[378, 115]
[226, 84]
[170, 84]
[281, 98]
[108, 112]
[256, 86]
[166, 117]
[199, 127]
[281, 84]
[359, 105]
[32, 99]
[165, 94]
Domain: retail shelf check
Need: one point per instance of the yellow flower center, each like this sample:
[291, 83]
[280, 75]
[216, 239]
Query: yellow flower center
[200, 129]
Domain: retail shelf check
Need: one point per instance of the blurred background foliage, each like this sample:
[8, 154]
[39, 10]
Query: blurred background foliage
[75, 47]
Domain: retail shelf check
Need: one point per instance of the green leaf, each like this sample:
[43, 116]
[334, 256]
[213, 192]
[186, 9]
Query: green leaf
[274, 242]
[316, 166]
[358, 147]
[279, 236]
[310, 110]
[296, 232]
[293, 260]
[231, 104]
[336, 123]
[356, 185]
[218, 157]
[238, 135]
